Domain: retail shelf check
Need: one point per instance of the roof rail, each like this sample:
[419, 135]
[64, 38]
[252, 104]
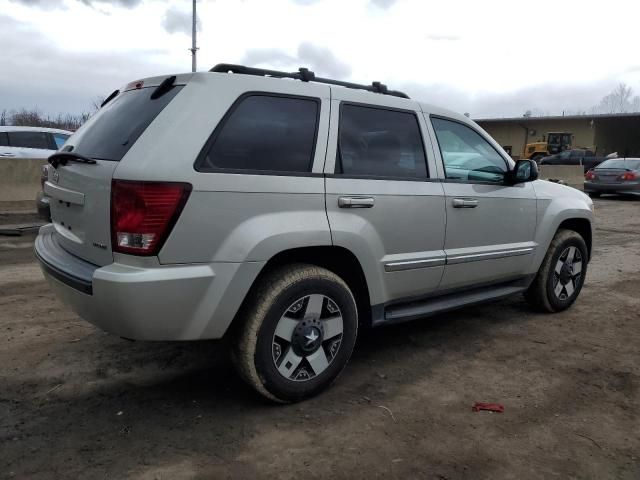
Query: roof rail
[305, 75]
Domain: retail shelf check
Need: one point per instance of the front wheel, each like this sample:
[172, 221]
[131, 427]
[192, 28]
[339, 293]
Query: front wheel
[594, 194]
[299, 331]
[561, 275]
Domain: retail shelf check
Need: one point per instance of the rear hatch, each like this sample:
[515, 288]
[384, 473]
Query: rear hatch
[81, 192]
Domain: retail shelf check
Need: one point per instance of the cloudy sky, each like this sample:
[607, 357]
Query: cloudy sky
[489, 58]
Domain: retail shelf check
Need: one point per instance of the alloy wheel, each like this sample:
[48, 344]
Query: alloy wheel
[567, 273]
[307, 337]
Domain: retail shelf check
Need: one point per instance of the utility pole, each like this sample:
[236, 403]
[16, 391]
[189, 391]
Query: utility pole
[193, 48]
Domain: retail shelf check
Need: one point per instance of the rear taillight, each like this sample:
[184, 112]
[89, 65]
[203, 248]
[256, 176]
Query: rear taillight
[626, 176]
[589, 175]
[44, 176]
[143, 214]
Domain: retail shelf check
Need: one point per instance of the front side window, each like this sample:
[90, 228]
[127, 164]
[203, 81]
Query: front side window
[467, 156]
[265, 133]
[60, 138]
[380, 143]
[30, 140]
[4, 139]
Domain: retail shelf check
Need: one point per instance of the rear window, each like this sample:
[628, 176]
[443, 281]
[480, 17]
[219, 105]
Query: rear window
[117, 126]
[620, 163]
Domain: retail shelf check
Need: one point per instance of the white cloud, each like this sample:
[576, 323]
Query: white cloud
[179, 20]
[475, 55]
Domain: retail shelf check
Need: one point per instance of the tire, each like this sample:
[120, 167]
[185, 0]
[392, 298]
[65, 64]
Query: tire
[594, 194]
[291, 345]
[549, 292]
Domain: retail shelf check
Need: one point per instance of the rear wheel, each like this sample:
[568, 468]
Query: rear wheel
[561, 275]
[299, 333]
[594, 194]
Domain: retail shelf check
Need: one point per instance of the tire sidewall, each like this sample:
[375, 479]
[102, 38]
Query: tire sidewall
[556, 303]
[289, 390]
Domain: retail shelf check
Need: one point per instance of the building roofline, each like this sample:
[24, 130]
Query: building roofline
[559, 117]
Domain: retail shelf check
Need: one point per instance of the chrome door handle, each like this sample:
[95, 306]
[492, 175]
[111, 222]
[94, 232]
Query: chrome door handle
[355, 202]
[465, 203]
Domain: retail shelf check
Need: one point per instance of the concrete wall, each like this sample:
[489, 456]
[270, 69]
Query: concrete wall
[572, 175]
[20, 178]
[514, 134]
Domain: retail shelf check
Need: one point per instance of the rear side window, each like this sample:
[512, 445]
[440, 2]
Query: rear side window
[264, 133]
[4, 139]
[380, 143]
[30, 140]
[115, 128]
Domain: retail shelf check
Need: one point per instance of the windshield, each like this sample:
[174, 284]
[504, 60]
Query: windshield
[632, 164]
[116, 127]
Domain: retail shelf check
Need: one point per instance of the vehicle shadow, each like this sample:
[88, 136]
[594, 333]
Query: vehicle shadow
[131, 404]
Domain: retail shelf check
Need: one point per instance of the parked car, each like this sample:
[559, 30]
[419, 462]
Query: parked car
[31, 142]
[586, 158]
[287, 214]
[616, 175]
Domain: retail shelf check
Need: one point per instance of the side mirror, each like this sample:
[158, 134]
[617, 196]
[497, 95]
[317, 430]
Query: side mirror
[524, 171]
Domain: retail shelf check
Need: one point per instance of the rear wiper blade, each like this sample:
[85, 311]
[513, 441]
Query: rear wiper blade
[61, 158]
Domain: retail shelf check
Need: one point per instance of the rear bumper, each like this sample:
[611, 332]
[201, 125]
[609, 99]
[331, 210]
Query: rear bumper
[627, 187]
[174, 302]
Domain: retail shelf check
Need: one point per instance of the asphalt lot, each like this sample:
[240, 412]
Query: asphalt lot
[78, 403]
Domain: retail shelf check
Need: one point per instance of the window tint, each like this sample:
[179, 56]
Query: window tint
[4, 139]
[378, 142]
[466, 155]
[267, 133]
[115, 128]
[59, 138]
[29, 140]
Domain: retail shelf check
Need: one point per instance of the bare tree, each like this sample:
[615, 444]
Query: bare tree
[620, 100]
[35, 118]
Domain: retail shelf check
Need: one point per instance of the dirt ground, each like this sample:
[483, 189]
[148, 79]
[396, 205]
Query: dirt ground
[78, 403]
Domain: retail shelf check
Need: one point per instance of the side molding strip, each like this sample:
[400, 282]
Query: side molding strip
[474, 257]
[411, 264]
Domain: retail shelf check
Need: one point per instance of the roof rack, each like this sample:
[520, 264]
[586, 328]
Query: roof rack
[305, 75]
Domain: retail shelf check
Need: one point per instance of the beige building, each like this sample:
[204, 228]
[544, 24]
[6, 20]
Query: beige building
[601, 133]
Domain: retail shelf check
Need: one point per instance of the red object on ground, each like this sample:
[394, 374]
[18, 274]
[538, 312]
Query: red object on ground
[491, 407]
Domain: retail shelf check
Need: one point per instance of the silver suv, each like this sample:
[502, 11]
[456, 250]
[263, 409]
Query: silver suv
[287, 211]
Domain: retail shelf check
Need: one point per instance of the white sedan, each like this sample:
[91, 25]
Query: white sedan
[31, 142]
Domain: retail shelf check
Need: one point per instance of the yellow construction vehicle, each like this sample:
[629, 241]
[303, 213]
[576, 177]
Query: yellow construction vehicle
[553, 142]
